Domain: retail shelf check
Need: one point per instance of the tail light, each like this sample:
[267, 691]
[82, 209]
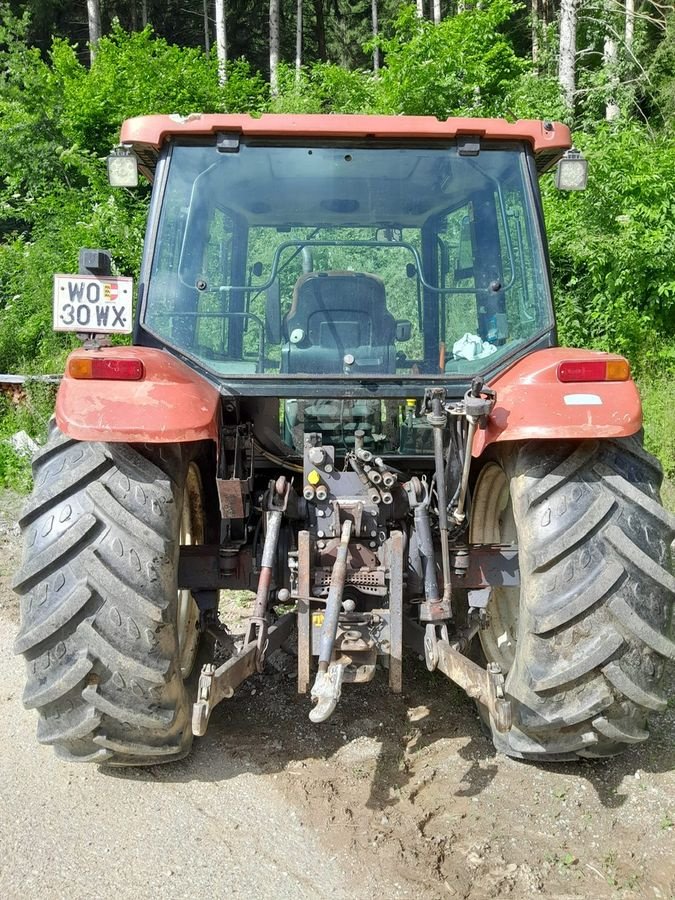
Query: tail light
[572, 370]
[106, 368]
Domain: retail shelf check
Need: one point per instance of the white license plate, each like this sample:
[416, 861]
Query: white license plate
[90, 304]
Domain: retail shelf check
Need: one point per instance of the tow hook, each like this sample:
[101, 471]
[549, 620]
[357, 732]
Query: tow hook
[326, 692]
[328, 683]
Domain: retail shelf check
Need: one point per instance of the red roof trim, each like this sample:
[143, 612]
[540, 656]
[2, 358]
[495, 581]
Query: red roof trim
[153, 131]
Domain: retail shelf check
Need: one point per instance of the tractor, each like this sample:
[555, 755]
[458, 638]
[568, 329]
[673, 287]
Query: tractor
[344, 393]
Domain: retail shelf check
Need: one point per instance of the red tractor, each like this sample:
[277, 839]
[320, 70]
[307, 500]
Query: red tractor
[344, 392]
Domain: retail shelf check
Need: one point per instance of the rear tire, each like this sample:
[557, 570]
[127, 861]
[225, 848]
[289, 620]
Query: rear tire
[99, 605]
[584, 641]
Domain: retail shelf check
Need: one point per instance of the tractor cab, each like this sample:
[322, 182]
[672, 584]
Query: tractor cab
[279, 263]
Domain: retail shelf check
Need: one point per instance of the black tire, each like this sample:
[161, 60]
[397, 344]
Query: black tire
[587, 653]
[99, 601]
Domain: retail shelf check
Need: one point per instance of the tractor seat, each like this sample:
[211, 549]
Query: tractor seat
[335, 315]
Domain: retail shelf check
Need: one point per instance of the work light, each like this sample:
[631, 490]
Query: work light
[572, 172]
[123, 167]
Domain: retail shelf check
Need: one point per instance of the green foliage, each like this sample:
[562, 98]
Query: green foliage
[613, 247]
[15, 471]
[535, 97]
[325, 87]
[464, 66]
[661, 74]
[31, 416]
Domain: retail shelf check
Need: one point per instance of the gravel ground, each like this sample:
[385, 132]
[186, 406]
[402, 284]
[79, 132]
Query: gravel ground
[396, 796]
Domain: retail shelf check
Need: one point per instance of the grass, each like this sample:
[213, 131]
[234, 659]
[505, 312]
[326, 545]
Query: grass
[659, 425]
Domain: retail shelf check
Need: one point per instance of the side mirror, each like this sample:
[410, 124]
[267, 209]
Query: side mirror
[273, 314]
[403, 329]
[572, 172]
[123, 167]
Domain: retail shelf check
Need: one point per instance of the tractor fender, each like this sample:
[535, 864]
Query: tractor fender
[532, 403]
[171, 403]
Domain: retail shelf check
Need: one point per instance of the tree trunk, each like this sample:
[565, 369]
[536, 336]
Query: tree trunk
[376, 51]
[535, 33]
[221, 41]
[420, 9]
[144, 13]
[274, 47]
[94, 17]
[298, 41]
[567, 57]
[610, 58]
[630, 26]
[320, 30]
[437, 12]
[207, 35]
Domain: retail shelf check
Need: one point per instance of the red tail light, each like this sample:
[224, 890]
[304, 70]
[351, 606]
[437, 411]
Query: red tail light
[593, 370]
[106, 368]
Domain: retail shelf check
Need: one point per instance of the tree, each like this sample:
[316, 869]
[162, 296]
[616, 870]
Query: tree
[298, 41]
[610, 58]
[534, 20]
[376, 50]
[221, 41]
[274, 47]
[320, 29]
[94, 18]
[630, 26]
[207, 36]
[436, 6]
[567, 56]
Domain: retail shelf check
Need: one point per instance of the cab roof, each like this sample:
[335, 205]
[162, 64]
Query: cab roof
[147, 134]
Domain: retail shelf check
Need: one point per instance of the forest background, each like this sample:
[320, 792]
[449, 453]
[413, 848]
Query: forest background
[72, 70]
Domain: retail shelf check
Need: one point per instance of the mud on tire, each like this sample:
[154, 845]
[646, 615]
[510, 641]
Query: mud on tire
[594, 613]
[99, 601]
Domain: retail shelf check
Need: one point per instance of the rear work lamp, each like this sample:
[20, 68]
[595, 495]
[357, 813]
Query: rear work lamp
[106, 368]
[572, 172]
[593, 370]
[123, 167]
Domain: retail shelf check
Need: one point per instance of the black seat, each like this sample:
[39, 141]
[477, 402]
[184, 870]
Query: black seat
[336, 315]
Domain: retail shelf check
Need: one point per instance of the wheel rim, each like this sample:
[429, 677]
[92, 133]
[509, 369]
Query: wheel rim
[492, 522]
[191, 532]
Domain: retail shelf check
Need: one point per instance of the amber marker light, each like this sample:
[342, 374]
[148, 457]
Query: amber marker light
[593, 370]
[105, 368]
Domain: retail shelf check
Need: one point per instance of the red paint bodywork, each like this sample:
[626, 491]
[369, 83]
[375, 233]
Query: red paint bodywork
[531, 403]
[150, 132]
[172, 403]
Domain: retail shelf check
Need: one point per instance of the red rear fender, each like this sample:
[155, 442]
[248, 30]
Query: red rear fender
[533, 403]
[171, 403]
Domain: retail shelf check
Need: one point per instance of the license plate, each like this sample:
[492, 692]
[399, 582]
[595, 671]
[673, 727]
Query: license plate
[92, 305]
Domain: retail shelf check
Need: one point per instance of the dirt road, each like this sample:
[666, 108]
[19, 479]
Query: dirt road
[394, 797]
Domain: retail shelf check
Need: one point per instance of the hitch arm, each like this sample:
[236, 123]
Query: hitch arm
[220, 684]
[484, 685]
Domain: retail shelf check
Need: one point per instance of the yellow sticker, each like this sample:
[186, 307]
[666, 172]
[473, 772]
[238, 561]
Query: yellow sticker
[317, 619]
